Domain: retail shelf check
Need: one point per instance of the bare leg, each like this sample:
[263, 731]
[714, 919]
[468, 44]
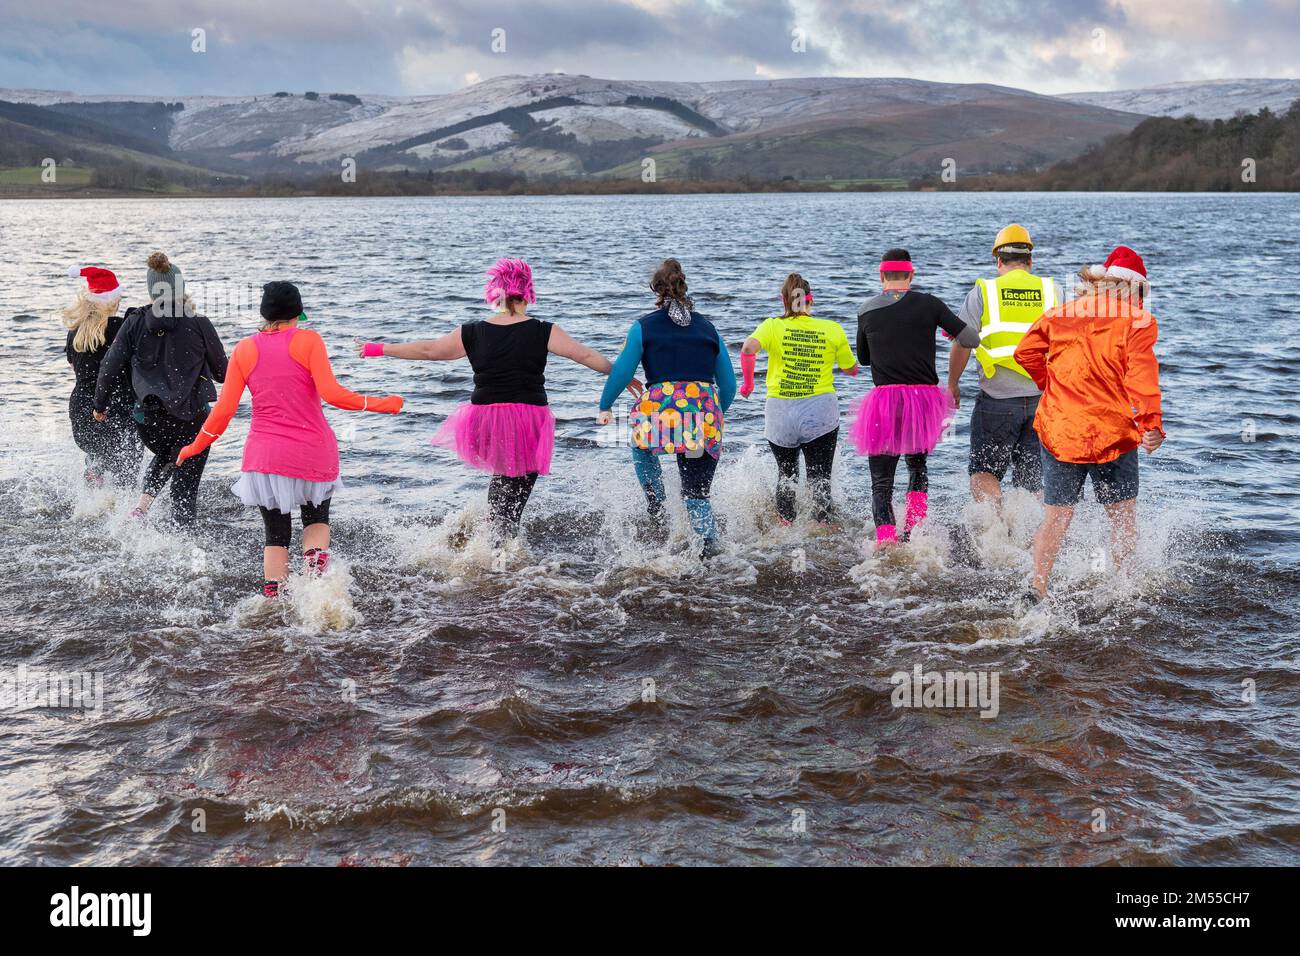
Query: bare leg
[142, 506]
[316, 536]
[1047, 543]
[275, 564]
[986, 487]
[1123, 531]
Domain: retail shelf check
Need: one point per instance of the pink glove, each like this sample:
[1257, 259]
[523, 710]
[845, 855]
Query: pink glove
[372, 349]
[747, 365]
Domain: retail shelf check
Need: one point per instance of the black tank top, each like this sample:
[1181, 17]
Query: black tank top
[509, 361]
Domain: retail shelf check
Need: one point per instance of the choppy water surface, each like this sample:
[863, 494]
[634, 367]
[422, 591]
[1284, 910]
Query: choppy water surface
[617, 702]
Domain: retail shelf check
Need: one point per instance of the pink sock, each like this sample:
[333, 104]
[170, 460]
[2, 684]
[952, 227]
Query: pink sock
[886, 534]
[916, 507]
[316, 560]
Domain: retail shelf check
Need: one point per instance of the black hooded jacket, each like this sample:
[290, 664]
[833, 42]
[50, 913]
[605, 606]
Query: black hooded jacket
[174, 359]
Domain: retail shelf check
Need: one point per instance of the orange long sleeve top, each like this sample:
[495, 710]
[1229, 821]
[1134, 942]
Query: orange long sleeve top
[1094, 360]
[307, 349]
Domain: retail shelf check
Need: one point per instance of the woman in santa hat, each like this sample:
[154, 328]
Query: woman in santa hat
[1094, 359]
[112, 446]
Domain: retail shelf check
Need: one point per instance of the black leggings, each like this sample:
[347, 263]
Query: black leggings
[165, 437]
[818, 459]
[112, 446]
[507, 497]
[882, 483]
[279, 525]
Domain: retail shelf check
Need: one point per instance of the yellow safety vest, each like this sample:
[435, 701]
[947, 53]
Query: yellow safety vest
[1012, 303]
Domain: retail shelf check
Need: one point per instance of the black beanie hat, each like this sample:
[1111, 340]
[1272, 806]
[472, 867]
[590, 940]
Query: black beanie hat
[281, 302]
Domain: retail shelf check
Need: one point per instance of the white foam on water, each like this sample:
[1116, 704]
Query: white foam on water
[321, 603]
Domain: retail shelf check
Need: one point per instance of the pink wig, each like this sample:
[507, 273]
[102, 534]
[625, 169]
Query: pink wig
[509, 277]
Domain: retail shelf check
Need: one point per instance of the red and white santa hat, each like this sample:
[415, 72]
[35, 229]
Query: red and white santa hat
[1125, 264]
[102, 285]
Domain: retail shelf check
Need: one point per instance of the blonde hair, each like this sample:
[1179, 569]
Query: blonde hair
[88, 321]
[1092, 280]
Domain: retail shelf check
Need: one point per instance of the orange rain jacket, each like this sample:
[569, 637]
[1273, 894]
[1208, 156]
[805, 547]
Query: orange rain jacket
[1094, 359]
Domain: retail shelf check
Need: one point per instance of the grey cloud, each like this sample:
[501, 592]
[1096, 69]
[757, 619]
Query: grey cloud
[361, 45]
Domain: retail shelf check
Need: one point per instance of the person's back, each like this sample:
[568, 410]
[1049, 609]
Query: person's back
[673, 352]
[174, 360]
[801, 354]
[1095, 360]
[1096, 368]
[1001, 310]
[288, 434]
[86, 365]
[174, 356]
[896, 336]
[689, 386]
[508, 359]
[802, 412]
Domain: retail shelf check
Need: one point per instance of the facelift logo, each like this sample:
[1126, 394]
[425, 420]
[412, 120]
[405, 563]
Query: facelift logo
[103, 909]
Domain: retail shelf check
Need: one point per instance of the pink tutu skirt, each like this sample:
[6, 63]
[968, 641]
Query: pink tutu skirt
[508, 438]
[900, 419]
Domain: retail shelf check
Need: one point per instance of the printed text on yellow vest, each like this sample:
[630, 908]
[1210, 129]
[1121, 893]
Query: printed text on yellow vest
[1012, 303]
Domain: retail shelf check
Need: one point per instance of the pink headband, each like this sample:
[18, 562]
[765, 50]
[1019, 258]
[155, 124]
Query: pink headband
[896, 265]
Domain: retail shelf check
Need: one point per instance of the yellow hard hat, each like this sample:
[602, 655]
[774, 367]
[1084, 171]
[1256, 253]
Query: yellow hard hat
[1014, 235]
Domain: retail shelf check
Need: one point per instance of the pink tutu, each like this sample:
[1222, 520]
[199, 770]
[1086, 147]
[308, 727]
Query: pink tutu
[508, 438]
[900, 419]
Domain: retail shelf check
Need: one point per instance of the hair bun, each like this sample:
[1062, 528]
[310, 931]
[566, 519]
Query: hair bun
[159, 262]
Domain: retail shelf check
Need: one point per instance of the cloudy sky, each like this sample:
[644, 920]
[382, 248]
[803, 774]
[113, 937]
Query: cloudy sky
[432, 46]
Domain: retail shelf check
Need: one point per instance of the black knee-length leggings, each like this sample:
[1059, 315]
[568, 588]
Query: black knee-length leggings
[883, 468]
[818, 459]
[279, 524]
[507, 497]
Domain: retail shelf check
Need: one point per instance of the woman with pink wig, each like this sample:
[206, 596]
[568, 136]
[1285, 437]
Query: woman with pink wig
[507, 427]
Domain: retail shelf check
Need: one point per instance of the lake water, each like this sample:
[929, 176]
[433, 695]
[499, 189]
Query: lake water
[588, 699]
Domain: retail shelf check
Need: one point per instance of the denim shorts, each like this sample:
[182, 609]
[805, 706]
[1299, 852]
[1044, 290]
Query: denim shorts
[1112, 482]
[1002, 436]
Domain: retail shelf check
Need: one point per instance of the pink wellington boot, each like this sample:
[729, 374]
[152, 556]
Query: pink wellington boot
[917, 502]
[886, 534]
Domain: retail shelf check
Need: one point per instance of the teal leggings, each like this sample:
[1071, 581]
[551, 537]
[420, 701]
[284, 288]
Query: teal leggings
[697, 481]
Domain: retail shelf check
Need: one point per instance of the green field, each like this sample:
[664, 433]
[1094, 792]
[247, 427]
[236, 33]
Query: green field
[66, 177]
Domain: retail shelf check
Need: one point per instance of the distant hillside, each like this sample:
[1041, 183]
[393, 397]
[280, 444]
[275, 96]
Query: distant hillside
[1204, 99]
[1184, 155]
[86, 153]
[578, 126]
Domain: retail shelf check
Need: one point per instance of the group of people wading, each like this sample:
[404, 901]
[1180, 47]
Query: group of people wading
[1068, 390]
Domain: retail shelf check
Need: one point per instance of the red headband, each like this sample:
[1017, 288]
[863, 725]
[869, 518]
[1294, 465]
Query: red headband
[896, 265]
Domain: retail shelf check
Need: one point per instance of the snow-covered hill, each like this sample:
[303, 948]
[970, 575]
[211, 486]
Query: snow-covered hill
[1208, 99]
[559, 121]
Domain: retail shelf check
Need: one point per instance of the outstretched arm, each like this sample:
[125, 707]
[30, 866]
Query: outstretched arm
[236, 373]
[562, 344]
[440, 349]
[623, 372]
[308, 349]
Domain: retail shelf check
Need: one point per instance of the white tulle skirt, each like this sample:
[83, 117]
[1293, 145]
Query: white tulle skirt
[279, 493]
